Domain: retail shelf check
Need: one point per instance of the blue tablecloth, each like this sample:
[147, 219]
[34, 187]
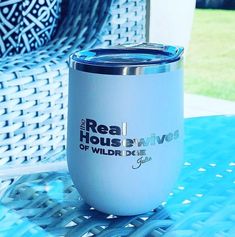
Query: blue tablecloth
[201, 204]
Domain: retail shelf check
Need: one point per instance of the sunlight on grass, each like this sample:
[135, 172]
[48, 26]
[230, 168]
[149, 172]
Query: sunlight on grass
[210, 63]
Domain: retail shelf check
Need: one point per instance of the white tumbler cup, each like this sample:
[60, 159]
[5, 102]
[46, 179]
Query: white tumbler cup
[125, 125]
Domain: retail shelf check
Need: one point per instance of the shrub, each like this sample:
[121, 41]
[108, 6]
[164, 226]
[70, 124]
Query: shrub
[216, 4]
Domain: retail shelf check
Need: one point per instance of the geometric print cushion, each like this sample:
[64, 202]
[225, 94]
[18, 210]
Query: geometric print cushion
[27, 24]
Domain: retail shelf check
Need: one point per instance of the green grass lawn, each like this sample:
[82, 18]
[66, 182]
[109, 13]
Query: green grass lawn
[210, 63]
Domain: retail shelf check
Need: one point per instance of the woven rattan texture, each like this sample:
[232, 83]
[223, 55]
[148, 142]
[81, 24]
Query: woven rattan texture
[33, 86]
[201, 204]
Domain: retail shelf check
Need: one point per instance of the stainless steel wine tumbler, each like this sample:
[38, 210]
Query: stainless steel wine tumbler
[125, 125]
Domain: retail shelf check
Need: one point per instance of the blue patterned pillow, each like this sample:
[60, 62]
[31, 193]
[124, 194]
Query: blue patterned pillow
[27, 24]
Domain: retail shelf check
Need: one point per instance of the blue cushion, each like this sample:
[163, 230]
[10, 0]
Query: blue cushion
[27, 24]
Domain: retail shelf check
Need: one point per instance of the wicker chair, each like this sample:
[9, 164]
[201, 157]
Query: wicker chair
[33, 86]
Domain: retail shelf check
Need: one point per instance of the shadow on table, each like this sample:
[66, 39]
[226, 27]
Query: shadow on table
[48, 202]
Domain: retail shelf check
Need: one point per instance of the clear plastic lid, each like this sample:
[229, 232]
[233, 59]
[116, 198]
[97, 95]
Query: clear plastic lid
[128, 59]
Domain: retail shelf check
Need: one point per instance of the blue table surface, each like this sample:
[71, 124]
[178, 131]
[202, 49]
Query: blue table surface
[202, 202]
